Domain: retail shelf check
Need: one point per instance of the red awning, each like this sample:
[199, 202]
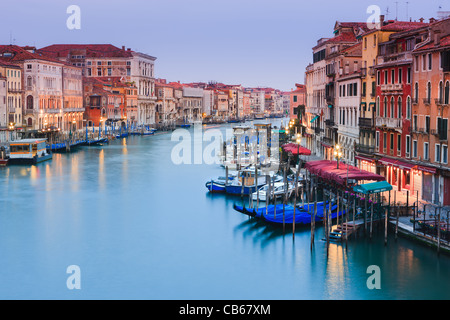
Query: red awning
[397, 163]
[427, 169]
[328, 170]
[364, 158]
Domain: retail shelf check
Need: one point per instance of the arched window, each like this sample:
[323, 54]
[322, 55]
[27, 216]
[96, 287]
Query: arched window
[416, 92]
[408, 107]
[29, 82]
[385, 107]
[392, 107]
[30, 102]
[377, 111]
[399, 107]
[441, 92]
[446, 93]
[429, 92]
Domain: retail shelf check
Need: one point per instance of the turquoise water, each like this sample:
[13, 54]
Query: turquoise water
[141, 227]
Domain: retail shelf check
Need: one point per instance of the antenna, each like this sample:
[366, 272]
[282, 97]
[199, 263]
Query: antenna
[387, 12]
[396, 10]
[407, 16]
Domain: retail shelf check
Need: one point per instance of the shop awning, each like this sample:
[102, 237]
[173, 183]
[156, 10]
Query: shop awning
[427, 169]
[396, 163]
[364, 158]
[314, 119]
[373, 187]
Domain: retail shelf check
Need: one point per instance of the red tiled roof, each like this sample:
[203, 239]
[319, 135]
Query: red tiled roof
[343, 37]
[20, 54]
[92, 50]
[403, 26]
[445, 42]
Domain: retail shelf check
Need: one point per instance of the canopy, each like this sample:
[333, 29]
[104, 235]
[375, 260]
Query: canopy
[314, 119]
[296, 149]
[374, 187]
[328, 170]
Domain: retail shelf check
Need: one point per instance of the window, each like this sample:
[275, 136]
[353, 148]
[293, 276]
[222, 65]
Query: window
[414, 149]
[363, 89]
[407, 145]
[378, 78]
[89, 63]
[385, 77]
[399, 143]
[399, 107]
[109, 71]
[295, 98]
[89, 72]
[392, 76]
[424, 62]
[355, 89]
[437, 153]
[416, 91]
[373, 88]
[99, 72]
[385, 114]
[426, 150]
[378, 107]
[99, 63]
[408, 107]
[427, 124]
[109, 63]
[429, 92]
[392, 107]
[400, 75]
[444, 154]
[446, 93]
[442, 128]
[415, 127]
[128, 72]
[430, 61]
[29, 66]
[377, 140]
[416, 63]
[408, 75]
[391, 142]
[384, 140]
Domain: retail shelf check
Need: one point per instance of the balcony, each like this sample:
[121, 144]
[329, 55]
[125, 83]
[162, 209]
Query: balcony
[439, 101]
[329, 141]
[329, 122]
[363, 72]
[29, 111]
[362, 148]
[393, 123]
[394, 58]
[10, 90]
[426, 101]
[366, 122]
[391, 87]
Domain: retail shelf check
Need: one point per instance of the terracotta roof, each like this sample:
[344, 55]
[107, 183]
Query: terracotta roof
[343, 37]
[403, 26]
[445, 42]
[92, 50]
[20, 54]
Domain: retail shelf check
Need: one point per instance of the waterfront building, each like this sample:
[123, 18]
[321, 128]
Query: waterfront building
[430, 113]
[14, 94]
[43, 93]
[3, 108]
[297, 102]
[192, 104]
[246, 104]
[166, 112]
[106, 60]
[221, 104]
[394, 73]
[365, 149]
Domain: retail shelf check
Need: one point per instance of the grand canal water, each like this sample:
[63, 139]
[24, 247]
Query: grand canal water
[141, 227]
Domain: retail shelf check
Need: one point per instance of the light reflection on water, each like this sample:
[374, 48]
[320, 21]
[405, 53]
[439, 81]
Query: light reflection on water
[141, 227]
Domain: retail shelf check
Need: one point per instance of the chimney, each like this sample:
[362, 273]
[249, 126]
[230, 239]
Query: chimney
[128, 49]
[432, 20]
[381, 20]
[123, 48]
[421, 20]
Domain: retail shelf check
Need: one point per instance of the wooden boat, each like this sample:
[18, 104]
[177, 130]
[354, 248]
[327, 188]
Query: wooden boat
[275, 215]
[278, 191]
[28, 151]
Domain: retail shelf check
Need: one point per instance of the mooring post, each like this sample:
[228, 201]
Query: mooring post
[439, 231]
[371, 218]
[386, 212]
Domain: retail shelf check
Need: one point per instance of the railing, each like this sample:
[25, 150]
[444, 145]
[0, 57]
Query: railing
[391, 87]
[10, 90]
[366, 122]
[329, 141]
[364, 148]
[395, 57]
[389, 122]
[329, 122]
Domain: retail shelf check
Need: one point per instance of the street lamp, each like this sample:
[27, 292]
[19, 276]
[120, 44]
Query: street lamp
[337, 154]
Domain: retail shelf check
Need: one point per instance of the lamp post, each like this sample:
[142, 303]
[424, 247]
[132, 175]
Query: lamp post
[337, 154]
[298, 148]
[11, 129]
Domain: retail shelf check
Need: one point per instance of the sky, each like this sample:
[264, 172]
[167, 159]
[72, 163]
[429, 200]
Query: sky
[255, 43]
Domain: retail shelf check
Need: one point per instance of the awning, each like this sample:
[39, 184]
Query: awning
[373, 187]
[364, 158]
[326, 145]
[427, 169]
[314, 119]
[396, 163]
[330, 106]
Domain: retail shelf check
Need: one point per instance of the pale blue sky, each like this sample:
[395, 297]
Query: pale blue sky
[248, 42]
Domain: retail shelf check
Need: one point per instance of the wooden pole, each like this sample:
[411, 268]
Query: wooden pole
[354, 215]
[284, 196]
[386, 212]
[365, 214]
[371, 218]
[398, 213]
[256, 186]
[274, 201]
[267, 191]
[439, 231]
[295, 203]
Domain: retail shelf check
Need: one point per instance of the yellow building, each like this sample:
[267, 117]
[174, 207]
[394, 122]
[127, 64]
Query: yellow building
[14, 91]
[369, 102]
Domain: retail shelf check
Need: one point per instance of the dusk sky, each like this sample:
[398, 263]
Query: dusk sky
[248, 42]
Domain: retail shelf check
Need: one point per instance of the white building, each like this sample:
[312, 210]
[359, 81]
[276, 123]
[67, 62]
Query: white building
[3, 110]
[348, 102]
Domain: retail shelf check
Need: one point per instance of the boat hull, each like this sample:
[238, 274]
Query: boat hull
[214, 186]
[34, 160]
